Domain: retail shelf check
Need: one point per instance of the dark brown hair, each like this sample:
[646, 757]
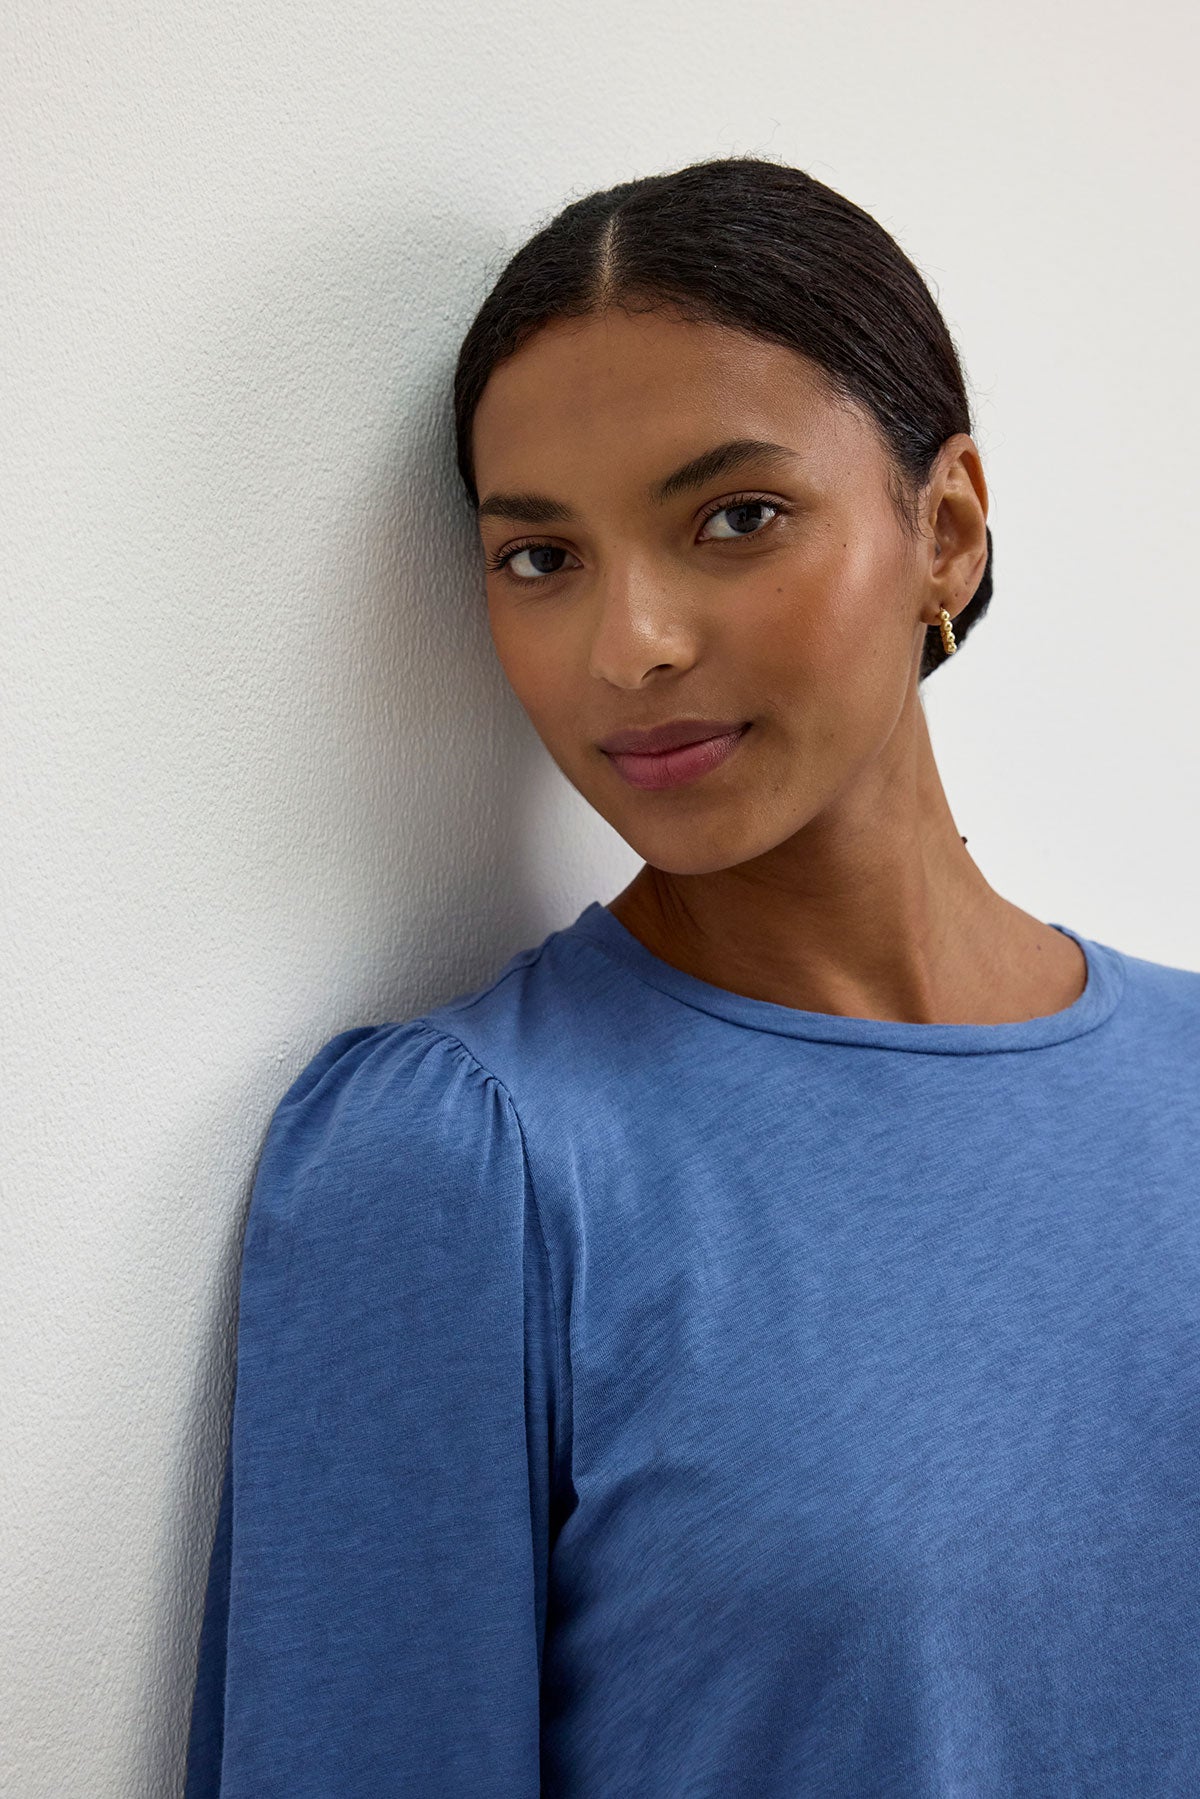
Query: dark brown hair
[762, 247]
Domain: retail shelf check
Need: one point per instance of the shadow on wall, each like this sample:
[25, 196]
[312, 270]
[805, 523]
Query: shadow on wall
[325, 687]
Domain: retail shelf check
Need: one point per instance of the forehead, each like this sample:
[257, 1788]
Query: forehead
[634, 394]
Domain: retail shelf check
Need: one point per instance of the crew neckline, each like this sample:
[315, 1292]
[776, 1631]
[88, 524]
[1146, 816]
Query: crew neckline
[1103, 988]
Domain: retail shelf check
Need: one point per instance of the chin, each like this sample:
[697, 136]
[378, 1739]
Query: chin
[699, 851]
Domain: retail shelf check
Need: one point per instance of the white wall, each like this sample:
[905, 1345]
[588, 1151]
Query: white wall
[262, 777]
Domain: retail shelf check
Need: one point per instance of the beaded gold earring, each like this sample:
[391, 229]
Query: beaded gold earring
[948, 643]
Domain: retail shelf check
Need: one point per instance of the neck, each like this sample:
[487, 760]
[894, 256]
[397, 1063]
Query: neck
[875, 909]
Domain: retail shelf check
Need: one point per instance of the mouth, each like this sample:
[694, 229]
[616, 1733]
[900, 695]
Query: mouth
[671, 768]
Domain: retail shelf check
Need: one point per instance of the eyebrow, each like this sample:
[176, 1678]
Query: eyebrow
[540, 509]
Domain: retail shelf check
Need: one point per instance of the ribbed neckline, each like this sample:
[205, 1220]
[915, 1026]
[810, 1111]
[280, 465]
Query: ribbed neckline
[1105, 983]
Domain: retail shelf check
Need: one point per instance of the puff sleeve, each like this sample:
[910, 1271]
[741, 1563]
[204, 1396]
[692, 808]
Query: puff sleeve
[375, 1608]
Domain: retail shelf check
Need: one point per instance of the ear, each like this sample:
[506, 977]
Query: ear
[955, 526]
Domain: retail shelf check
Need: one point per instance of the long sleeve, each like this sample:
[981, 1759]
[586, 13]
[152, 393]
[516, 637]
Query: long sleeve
[375, 1609]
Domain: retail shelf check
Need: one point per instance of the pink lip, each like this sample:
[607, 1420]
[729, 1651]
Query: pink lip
[637, 740]
[669, 768]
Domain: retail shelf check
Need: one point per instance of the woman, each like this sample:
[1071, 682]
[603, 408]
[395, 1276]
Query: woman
[747, 1348]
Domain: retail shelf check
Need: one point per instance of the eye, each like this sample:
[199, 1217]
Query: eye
[742, 509]
[507, 557]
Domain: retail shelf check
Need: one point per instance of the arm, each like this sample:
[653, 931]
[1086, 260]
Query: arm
[375, 1610]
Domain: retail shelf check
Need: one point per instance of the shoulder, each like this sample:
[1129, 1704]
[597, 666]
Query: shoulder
[368, 1076]
[1160, 1000]
[1165, 980]
[553, 1026]
[387, 1126]
[466, 1106]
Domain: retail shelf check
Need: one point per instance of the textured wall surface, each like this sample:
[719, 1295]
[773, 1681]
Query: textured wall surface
[262, 777]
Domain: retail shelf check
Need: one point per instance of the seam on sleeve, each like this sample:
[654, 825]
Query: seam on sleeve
[563, 1378]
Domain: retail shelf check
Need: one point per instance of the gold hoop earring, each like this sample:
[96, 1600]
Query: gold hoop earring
[944, 620]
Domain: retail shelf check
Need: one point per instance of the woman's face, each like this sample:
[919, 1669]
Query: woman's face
[780, 591]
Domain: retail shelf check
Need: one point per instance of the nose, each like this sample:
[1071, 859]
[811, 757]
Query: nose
[639, 626]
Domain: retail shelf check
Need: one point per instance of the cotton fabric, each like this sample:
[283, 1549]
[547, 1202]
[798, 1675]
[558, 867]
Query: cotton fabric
[649, 1392]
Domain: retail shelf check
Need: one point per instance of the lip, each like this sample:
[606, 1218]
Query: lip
[672, 767]
[670, 736]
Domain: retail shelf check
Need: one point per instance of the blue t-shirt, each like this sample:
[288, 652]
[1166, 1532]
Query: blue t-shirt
[649, 1392]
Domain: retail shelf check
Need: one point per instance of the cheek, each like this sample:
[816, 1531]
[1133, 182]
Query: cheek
[796, 631]
[540, 670]
[826, 642]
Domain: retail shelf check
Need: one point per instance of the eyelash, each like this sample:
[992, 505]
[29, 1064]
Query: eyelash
[496, 563]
